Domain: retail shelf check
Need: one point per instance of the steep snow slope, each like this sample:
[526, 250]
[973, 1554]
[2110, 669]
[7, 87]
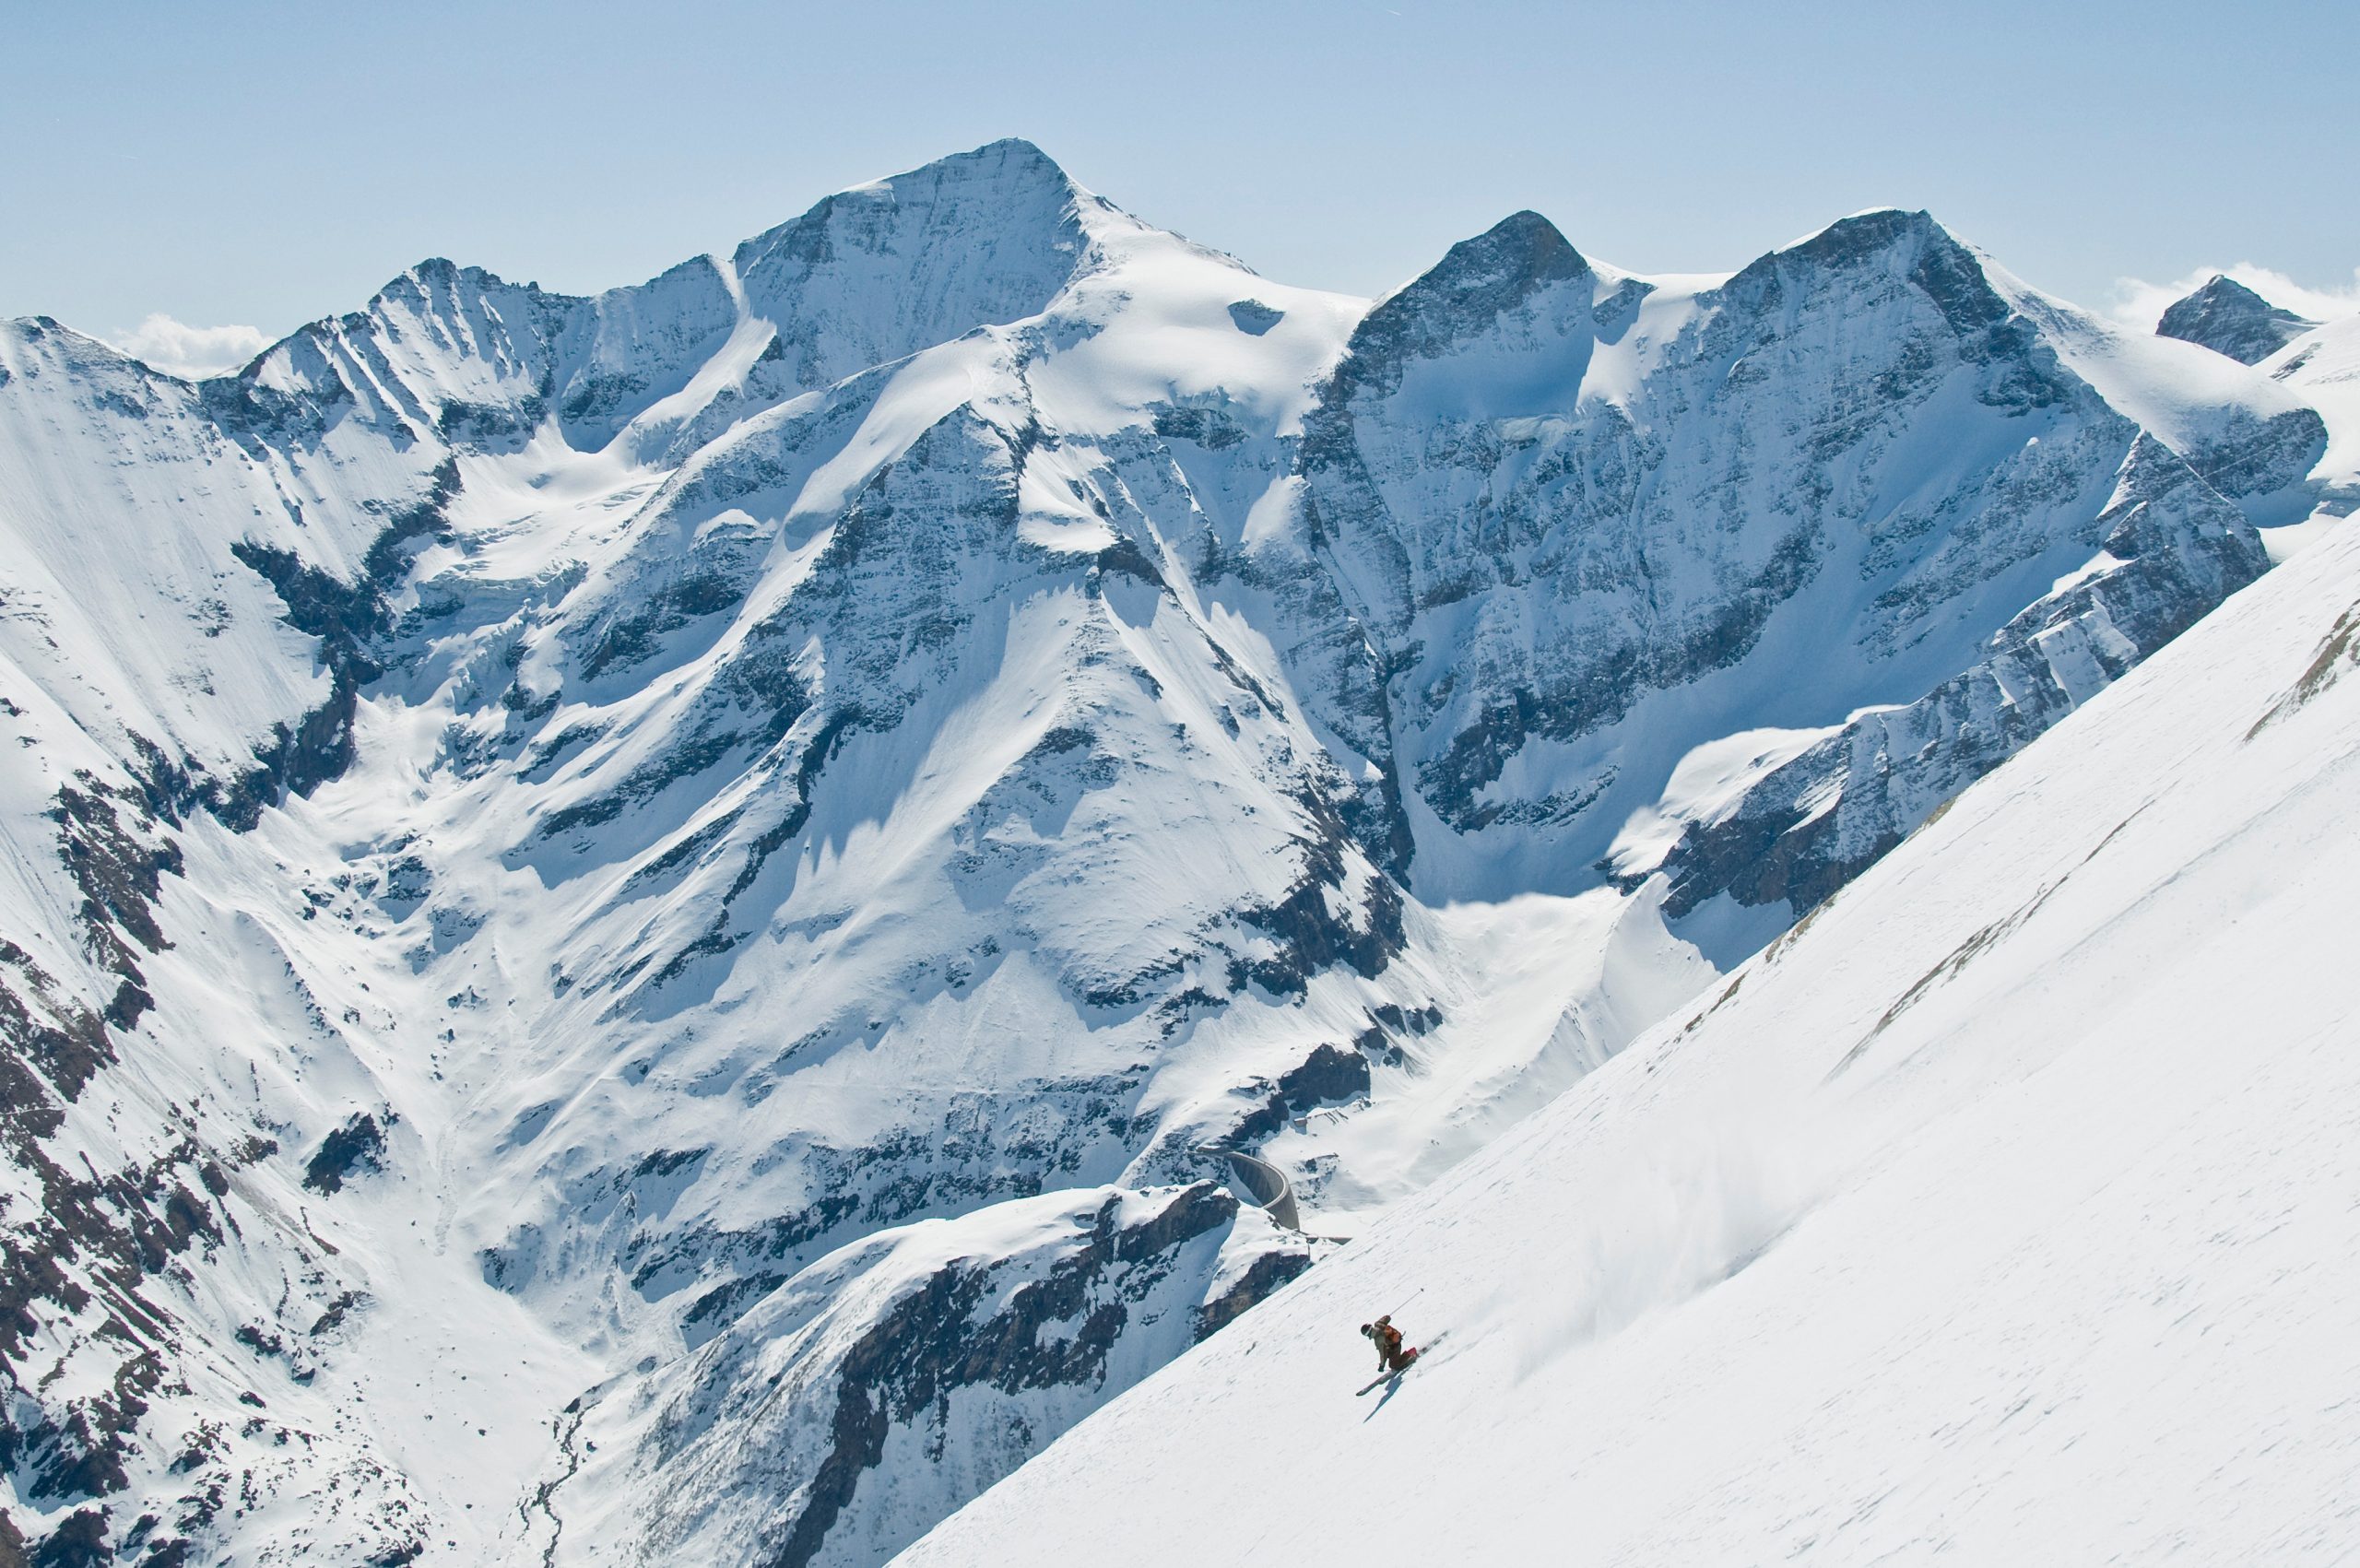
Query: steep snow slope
[626, 916]
[2003, 1210]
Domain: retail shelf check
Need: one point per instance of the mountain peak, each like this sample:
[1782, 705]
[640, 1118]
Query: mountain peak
[1007, 152]
[439, 275]
[1867, 233]
[1896, 241]
[1005, 185]
[1488, 275]
[1011, 165]
[1522, 249]
[2229, 318]
[48, 335]
[883, 269]
[1478, 283]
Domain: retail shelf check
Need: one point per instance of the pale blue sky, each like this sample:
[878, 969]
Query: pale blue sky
[240, 162]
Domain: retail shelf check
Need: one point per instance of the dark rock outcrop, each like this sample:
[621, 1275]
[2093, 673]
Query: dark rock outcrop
[2229, 318]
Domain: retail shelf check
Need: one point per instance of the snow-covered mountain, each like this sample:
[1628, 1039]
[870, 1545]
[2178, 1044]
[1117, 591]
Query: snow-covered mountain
[1589, 522]
[2319, 361]
[629, 919]
[2000, 1211]
[2229, 318]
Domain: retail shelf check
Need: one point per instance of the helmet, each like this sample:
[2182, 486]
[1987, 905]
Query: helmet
[1368, 1328]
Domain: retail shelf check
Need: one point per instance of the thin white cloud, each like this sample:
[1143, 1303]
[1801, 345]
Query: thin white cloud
[191, 352]
[2141, 304]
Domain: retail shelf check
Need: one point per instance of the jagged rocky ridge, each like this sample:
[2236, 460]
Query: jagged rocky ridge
[687, 871]
[1581, 524]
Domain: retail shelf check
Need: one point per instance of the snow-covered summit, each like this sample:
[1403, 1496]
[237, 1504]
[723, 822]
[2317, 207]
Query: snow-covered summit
[884, 269]
[866, 277]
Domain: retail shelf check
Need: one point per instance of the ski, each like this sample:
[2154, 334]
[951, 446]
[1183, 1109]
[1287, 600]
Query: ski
[1389, 1376]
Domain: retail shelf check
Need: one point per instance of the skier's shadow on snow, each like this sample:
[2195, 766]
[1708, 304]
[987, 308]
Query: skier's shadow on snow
[1392, 1387]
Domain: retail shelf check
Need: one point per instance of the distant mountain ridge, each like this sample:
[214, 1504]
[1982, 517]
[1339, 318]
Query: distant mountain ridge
[683, 877]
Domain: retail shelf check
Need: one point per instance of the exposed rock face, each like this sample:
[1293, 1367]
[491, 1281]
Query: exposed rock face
[2229, 318]
[1572, 525]
[687, 870]
[877, 1390]
[2174, 549]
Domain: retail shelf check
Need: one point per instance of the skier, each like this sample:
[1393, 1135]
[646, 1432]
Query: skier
[1389, 1353]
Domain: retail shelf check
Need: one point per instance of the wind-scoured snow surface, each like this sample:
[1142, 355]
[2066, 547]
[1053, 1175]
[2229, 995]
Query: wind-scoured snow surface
[624, 920]
[2002, 1211]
